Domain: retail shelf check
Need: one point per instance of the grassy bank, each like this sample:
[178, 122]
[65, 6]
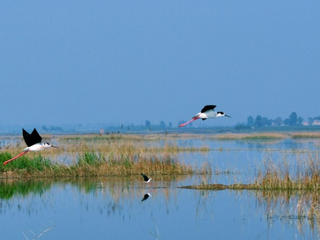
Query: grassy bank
[97, 164]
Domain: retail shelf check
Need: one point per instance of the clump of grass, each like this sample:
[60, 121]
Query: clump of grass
[37, 163]
[251, 136]
[91, 159]
[153, 164]
[304, 176]
[279, 176]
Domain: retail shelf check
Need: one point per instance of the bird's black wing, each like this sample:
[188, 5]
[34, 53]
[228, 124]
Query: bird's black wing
[144, 177]
[208, 107]
[32, 138]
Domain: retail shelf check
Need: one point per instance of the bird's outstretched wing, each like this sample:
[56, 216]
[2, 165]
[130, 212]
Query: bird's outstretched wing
[144, 177]
[32, 138]
[207, 107]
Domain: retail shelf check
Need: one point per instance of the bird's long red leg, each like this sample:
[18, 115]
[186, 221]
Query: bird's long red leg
[15, 157]
[193, 119]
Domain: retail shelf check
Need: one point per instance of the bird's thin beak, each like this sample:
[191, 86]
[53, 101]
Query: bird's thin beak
[227, 116]
[54, 146]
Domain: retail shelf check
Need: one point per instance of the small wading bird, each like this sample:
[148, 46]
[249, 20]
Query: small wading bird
[206, 112]
[145, 178]
[146, 196]
[33, 142]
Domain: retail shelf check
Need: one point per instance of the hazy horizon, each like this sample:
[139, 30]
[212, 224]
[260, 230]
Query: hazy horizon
[123, 62]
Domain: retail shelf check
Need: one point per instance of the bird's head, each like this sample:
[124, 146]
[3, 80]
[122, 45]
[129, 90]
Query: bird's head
[222, 114]
[48, 145]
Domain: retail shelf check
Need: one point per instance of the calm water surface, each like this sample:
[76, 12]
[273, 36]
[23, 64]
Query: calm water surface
[112, 208]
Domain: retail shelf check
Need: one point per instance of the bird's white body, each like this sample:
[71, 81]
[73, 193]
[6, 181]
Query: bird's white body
[148, 180]
[208, 114]
[37, 147]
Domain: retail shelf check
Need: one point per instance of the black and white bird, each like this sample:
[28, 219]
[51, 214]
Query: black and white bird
[145, 178]
[146, 196]
[206, 112]
[33, 142]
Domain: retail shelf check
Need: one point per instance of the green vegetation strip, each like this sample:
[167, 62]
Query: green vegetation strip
[97, 164]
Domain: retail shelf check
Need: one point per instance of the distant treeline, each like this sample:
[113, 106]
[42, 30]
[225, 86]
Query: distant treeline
[292, 120]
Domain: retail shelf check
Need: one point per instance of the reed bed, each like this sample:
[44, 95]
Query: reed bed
[303, 175]
[305, 135]
[249, 136]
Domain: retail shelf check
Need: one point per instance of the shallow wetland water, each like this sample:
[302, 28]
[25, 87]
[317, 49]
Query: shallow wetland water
[112, 207]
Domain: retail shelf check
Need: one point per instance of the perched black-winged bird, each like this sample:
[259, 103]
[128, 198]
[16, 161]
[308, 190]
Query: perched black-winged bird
[145, 178]
[146, 196]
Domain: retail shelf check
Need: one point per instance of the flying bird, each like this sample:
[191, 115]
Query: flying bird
[206, 112]
[145, 178]
[33, 142]
[146, 196]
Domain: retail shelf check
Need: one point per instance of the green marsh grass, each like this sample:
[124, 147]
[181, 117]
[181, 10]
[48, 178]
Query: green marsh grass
[98, 164]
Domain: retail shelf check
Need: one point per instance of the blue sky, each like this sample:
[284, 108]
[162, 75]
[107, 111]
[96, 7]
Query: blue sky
[122, 62]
